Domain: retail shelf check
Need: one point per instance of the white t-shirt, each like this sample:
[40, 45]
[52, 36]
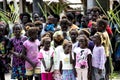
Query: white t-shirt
[47, 55]
[58, 51]
[81, 57]
[65, 58]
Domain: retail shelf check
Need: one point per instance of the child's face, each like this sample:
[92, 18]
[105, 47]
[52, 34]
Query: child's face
[50, 19]
[97, 39]
[40, 27]
[82, 42]
[47, 44]
[17, 30]
[1, 30]
[73, 34]
[36, 17]
[95, 15]
[100, 27]
[64, 28]
[68, 48]
[25, 19]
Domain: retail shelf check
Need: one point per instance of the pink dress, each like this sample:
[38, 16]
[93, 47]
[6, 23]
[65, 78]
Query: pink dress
[32, 53]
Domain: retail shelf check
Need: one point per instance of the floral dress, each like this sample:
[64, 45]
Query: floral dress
[18, 65]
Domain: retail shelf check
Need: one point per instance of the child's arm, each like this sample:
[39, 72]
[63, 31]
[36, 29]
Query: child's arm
[71, 59]
[23, 55]
[89, 59]
[74, 61]
[51, 62]
[60, 68]
[15, 53]
[43, 61]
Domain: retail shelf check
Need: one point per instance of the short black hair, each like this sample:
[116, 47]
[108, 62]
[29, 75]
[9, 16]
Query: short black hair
[16, 25]
[102, 22]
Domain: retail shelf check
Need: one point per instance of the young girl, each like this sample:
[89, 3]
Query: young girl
[46, 57]
[30, 52]
[82, 58]
[98, 58]
[57, 45]
[66, 62]
[3, 51]
[73, 35]
[18, 64]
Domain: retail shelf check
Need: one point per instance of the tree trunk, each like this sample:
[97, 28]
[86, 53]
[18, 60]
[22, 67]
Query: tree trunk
[5, 5]
[22, 5]
[36, 7]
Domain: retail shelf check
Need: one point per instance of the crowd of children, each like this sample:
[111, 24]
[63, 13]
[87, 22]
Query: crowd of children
[66, 50]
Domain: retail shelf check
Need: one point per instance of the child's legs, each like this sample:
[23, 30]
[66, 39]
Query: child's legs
[79, 74]
[18, 72]
[30, 77]
[37, 74]
[68, 75]
[29, 74]
[84, 74]
[44, 76]
[2, 76]
[107, 68]
[98, 76]
[50, 76]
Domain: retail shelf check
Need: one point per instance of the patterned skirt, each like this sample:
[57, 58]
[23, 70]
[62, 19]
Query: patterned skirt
[18, 72]
[68, 75]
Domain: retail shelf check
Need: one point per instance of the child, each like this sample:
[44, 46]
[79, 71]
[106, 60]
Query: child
[82, 58]
[98, 58]
[49, 25]
[73, 35]
[66, 62]
[18, 64]
[86, 32]
[101, 27]
[65, 24]
[46, 57]
[3, 51]
[57, 45]
[30, 52]
[40, 26]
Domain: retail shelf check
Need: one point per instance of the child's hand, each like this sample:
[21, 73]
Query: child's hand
[47, 70]
[34, 65]
[100, 71]
[82, 66]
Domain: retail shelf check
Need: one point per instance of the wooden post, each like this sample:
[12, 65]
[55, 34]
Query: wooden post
[22, 4]
[5, 5]
[91, 3]
[105, 4]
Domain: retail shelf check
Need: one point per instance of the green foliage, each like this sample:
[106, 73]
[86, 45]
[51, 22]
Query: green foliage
[55, 7]
[9, 17]
[44, 9]
[112, 16]
[58, 7]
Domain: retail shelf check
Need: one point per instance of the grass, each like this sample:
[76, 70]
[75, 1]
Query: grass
[115, 75]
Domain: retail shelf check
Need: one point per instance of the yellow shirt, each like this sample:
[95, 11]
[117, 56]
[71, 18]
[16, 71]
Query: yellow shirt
[106, 43]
